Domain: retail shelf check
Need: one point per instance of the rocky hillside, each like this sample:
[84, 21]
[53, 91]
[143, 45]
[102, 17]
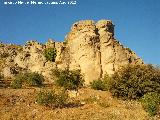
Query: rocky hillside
[20, 104]
[89, 46]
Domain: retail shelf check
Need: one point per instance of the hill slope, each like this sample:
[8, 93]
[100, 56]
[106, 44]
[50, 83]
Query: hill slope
[95, 105]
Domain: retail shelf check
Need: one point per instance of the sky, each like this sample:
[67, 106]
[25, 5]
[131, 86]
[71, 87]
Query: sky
[137, 22]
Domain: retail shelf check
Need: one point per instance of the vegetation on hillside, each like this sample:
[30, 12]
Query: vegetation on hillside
[50, 54]
[150, 102]
[134, 82]
[130, 82]
[68, 79]
[52, 99]
[99, 85]
[27, 79]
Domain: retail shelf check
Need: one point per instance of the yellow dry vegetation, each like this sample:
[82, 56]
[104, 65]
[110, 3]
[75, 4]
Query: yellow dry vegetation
[19, 104]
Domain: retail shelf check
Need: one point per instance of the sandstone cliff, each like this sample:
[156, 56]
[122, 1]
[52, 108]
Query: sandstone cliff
[89, 46]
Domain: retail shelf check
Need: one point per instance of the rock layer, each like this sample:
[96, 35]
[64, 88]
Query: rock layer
[89, 47]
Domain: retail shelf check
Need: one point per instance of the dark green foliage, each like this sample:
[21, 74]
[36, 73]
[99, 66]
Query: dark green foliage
[16, 84]
[52, 99]
[68, 79]
[27, 79]
[50, 54]
[98, 85]
[151, 102]
[107, 79]
[102, 84]
[34, 79]
[133, 81]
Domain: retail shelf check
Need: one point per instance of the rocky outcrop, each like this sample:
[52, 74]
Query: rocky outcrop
[89, 47]
[84, 50]
[94, 50]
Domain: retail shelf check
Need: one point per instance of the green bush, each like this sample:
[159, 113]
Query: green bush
[68, 79]
[133, 81]
[34, 79]
[52, 99]
[27, 79]
[16, 84]
[98, 85]
[102, 84]
[151, 102]
[50, 54]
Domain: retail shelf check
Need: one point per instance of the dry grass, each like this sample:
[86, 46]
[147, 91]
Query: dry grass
[95, 105]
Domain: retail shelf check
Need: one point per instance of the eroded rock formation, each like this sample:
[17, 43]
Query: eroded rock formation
[89, 46]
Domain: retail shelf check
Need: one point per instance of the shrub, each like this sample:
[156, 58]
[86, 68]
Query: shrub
[34, 79]
[133, 81]
[151, 102]
[107, 79]
[68, 79]
[101, 84]
[98, 85]
[27, 79]
[52, 99]
[16, 84]
[50, 54]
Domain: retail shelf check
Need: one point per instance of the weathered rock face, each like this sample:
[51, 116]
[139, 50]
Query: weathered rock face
[89, 46]
[93, 49]
[83, 43]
